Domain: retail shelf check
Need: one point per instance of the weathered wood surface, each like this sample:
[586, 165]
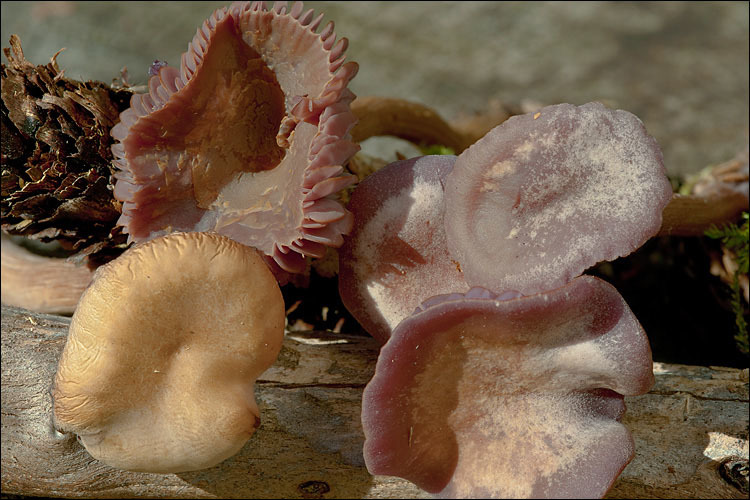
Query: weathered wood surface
[309, 444]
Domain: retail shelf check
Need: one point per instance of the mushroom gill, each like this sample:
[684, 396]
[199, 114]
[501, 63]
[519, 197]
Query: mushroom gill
[246, 139]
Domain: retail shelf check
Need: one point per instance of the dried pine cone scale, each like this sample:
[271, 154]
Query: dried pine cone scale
[56, 157]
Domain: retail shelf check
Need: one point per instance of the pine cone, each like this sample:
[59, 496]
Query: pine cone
[56, 160]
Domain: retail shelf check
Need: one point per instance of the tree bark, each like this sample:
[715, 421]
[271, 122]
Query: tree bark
[310, 441]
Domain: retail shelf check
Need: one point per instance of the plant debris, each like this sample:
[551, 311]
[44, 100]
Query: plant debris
[56, 158]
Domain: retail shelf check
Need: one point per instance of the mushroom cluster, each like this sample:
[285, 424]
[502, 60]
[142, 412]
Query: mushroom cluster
[503, 370]
[247, 139]
[228, 173]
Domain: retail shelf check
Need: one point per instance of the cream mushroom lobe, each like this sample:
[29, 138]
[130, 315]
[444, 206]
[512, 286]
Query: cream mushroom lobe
[163, 352]
[247, 139]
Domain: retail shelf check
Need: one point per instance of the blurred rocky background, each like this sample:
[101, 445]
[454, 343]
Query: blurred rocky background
[682, 67]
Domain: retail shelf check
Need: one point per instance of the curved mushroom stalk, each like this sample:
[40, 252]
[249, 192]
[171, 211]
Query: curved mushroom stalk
[164, 348]
[246, 139]
[719, 195]
[480, 396]
[546, 195]
[411, 121]
[396, 256]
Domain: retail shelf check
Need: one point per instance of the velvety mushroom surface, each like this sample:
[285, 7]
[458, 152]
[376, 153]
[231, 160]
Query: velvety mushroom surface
[545, 195]
[163, 352]
[246, 139]
[396, 256]
[478, 395]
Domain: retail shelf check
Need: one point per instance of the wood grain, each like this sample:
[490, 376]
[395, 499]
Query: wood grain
[43, 284]
[310, 441]
[693, 215]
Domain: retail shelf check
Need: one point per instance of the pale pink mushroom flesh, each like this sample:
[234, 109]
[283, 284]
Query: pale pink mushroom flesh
[546, 195]
[396, 256]
[515, 388]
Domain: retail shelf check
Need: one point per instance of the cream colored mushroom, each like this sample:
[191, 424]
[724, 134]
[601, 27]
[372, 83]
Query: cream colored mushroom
[163, 352]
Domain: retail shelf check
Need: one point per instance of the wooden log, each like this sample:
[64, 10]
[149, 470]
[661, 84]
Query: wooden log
[692, 215]
[309, 444]
[43, 284]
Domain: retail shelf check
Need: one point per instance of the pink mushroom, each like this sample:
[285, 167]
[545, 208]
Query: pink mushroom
[515, 387]
[396, 255]
[478, 397]
[527, 208]
[545, 195]
[246, 139]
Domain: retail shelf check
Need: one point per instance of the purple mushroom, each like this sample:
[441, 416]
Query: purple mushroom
[478, 397]
[545, 195]
[515, 387]
[396, 255]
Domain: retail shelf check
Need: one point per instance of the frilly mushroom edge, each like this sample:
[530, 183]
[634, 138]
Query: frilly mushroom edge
[246, 139]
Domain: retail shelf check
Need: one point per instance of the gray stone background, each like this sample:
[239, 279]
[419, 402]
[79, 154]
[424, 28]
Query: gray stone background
[682, 67]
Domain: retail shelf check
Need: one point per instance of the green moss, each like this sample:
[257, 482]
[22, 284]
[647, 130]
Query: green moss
[735, 238]
[437, 149]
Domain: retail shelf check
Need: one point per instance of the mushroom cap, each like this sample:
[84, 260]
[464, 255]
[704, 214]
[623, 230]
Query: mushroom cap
[163, 351]
[396, 256]
[477, 395]
[246, 139]
[545, 195]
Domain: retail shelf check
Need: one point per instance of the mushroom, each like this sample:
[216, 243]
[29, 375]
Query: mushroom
[396, 255]
[164, 348]
[545, 195]
[512, 222]
[478, 397]
[515, 387]
[246, 139]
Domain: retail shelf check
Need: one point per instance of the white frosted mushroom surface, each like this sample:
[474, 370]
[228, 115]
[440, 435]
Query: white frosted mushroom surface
[164, 348]
[396, 256]
[485, 396]
[545, 195]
